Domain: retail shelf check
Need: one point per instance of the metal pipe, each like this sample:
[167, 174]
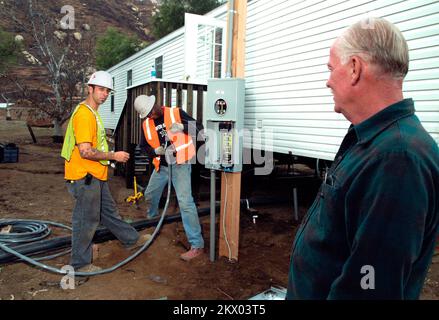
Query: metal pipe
[296, 209]
[212, 215]
[101, 235]
[230, 39]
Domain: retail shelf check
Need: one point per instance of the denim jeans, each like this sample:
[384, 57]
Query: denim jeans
[94, 205]
[181, 180]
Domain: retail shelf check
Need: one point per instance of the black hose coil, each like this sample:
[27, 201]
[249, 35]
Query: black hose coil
[23, 231]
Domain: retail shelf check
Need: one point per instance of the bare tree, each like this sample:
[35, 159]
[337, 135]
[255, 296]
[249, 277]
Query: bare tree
[65, 54]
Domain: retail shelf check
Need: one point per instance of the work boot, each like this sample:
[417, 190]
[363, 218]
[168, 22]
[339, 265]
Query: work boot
[140, 242]
[191, 254]
[89, 268]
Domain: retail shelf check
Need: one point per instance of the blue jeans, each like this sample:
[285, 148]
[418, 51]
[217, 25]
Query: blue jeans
[181, 180]
[94, 205]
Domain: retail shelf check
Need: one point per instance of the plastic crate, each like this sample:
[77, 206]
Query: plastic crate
[8, 153]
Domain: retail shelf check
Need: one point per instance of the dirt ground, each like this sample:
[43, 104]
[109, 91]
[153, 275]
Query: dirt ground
[34, 188]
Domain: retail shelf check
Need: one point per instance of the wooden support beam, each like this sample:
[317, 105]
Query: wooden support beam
[229, 217]
[230, 207]
[238, 47]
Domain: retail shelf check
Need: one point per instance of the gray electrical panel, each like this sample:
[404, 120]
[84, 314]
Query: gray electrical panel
[224, 118]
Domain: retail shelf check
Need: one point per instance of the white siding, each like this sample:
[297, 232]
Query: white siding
[171, 47]
[287, 48]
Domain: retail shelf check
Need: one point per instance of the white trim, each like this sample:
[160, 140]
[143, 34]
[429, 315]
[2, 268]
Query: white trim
[149, 48]
[166, 80]
[191, 23]
[175, 34]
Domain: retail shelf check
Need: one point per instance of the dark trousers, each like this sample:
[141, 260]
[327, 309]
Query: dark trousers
[94, 205]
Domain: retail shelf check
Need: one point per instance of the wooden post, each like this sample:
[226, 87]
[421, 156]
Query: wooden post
[231, 182]
[159, 92]
[238, 47]
[168, 94]
[190, 100]
[200, 94]
[179, 96]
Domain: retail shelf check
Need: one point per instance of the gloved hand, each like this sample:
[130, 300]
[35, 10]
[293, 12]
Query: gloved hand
[159, 151]
[170, 154]
[170, 149]
[176, 127]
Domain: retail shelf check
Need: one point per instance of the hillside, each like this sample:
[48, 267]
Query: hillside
[130, 17]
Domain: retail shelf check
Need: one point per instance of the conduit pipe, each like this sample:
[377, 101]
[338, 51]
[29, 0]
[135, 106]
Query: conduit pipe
[103, 234]
[46, 267]
[230, 39]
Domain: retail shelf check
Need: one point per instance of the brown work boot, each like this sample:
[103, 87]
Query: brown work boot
[191, 254]
[89, 268]
[140, 242]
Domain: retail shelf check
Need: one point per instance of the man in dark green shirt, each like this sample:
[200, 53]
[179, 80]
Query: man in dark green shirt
[371, 231]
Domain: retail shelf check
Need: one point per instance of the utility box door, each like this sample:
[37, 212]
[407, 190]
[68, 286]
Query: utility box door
[224, 122]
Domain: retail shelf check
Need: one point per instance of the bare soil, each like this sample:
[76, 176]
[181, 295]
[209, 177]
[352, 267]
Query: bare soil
[34, 188]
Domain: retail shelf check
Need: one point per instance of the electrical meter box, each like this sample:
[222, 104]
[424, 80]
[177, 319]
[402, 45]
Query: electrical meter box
[224, 122]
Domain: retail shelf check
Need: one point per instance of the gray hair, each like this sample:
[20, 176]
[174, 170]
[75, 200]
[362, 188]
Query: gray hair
[377, 41]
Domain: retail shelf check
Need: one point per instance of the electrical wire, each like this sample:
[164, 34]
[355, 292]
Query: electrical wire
[37, 230]
[224, 220]
[29, 231]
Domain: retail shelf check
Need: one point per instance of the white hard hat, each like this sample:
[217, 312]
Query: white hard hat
[101, 78]
[143, 105]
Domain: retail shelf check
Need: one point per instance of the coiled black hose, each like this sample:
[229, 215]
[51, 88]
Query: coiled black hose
[25, 231]
[35, 262]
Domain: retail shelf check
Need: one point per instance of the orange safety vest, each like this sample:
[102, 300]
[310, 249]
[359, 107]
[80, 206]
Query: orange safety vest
[182, 142]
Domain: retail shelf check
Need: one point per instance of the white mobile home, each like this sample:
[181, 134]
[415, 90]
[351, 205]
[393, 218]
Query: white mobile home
[287, 48]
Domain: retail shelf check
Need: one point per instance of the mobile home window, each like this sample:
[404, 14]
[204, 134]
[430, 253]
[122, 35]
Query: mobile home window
[159, 67]
[129, 78]
[210, 52]
[216, 63]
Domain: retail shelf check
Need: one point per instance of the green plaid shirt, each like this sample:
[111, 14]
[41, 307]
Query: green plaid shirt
[371, 231]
